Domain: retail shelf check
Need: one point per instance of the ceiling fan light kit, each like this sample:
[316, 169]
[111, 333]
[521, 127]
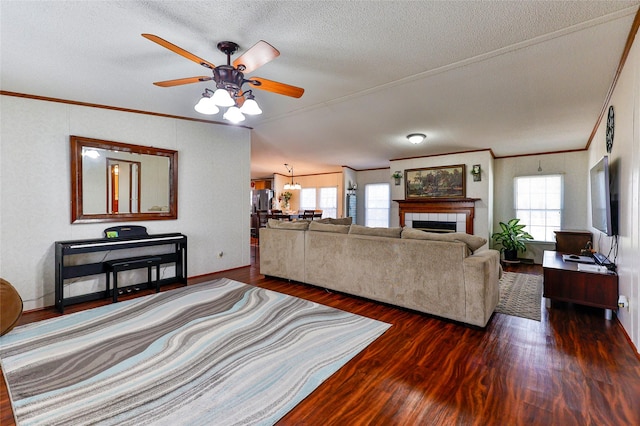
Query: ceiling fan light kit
[234, 115]
[416, 138]
[221, 97]
[250, 106]
[230, 78]
[206, 105]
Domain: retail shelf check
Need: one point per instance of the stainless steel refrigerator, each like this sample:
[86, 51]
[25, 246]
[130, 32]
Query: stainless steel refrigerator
[261, 199]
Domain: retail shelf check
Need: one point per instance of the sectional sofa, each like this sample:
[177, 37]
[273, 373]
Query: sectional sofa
[446, 275]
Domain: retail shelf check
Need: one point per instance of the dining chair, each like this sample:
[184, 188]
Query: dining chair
[262, 218]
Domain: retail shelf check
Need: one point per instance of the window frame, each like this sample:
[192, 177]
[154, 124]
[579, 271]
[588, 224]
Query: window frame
[560, 210]
[367, 208]
[319, 201]
[315, 198]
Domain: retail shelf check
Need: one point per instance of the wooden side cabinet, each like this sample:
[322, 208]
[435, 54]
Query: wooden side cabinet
[563, 281]
[572, 241]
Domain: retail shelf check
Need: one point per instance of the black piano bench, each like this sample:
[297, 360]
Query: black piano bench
[129, 263]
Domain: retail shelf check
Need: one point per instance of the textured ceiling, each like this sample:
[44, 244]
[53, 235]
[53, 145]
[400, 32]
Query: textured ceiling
[516, 77]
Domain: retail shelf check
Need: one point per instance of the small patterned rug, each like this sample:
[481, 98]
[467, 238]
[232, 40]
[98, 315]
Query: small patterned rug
[520, 295]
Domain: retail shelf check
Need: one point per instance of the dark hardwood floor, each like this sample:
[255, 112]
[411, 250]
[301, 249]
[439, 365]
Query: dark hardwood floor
[572, 368]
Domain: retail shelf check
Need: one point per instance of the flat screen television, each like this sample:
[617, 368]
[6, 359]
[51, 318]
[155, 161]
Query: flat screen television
[603, 216]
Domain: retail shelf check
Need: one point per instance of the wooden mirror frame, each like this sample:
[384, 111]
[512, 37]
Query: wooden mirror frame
[77, 214]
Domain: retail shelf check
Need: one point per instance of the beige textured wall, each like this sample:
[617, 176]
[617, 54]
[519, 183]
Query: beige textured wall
[213, 189]
[308, 181]
[573, 167]
[482, 190]
[625, 157]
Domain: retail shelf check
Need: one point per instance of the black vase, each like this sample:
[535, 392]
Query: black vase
[511, 255]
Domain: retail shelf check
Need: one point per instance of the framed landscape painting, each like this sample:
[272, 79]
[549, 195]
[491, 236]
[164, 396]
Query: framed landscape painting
[435, 182]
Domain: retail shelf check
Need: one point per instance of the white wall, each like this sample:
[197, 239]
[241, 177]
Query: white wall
[625, 155]
[213, 187]
[309, 181]
[482, 190]
[573, 167]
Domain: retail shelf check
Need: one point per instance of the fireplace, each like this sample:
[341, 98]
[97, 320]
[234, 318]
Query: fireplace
[441, 227]
[441, 210]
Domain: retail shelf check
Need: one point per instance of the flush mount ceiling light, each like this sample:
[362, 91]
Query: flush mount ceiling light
[229, 79]
[416, 138]
[291, 185]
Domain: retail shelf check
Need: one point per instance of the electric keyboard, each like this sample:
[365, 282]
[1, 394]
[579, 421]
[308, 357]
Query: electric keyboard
[67, 270]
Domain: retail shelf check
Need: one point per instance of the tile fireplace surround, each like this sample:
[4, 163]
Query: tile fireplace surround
[459, 219]
[458, 210]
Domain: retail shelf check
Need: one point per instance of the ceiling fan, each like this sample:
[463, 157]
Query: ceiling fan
[230, 78]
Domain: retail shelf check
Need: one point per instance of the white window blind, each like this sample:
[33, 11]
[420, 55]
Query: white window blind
[538, 205]
[377, 204]
[308, 199]
[328, 201]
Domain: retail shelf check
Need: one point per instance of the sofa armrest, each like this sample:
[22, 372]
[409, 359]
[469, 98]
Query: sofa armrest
[282, 253]
[481, 276]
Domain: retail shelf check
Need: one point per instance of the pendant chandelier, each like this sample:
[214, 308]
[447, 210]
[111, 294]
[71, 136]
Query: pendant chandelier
[291, 185]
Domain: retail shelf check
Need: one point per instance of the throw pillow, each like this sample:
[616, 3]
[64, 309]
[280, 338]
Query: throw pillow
[474, 242]
[377, 232]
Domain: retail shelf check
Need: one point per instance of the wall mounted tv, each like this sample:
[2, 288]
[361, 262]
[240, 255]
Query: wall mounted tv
[604, 212]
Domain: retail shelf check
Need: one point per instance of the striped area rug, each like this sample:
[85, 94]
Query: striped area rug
[220, 352]
[521, 295]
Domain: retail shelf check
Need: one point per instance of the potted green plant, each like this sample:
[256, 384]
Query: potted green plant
[397, 176]
[512, 238]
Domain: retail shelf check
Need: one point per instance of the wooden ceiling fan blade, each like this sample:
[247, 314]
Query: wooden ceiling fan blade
[258, 55]
[180, 51]
[180, 81]
[276, 87]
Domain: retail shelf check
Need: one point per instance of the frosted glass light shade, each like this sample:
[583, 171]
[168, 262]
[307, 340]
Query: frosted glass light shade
[292, 186]
[250, 107]
[206, 106]
[416, 138]
[234, 115]
[222, 98]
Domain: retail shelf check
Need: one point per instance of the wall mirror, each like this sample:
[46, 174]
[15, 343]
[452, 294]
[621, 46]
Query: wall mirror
[117, 182]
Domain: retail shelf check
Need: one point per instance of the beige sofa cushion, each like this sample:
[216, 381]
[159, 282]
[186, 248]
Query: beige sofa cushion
[376, 232]
[326, 227]
[474, 242]
[298, 225]
[332, 221]
[416, 274]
